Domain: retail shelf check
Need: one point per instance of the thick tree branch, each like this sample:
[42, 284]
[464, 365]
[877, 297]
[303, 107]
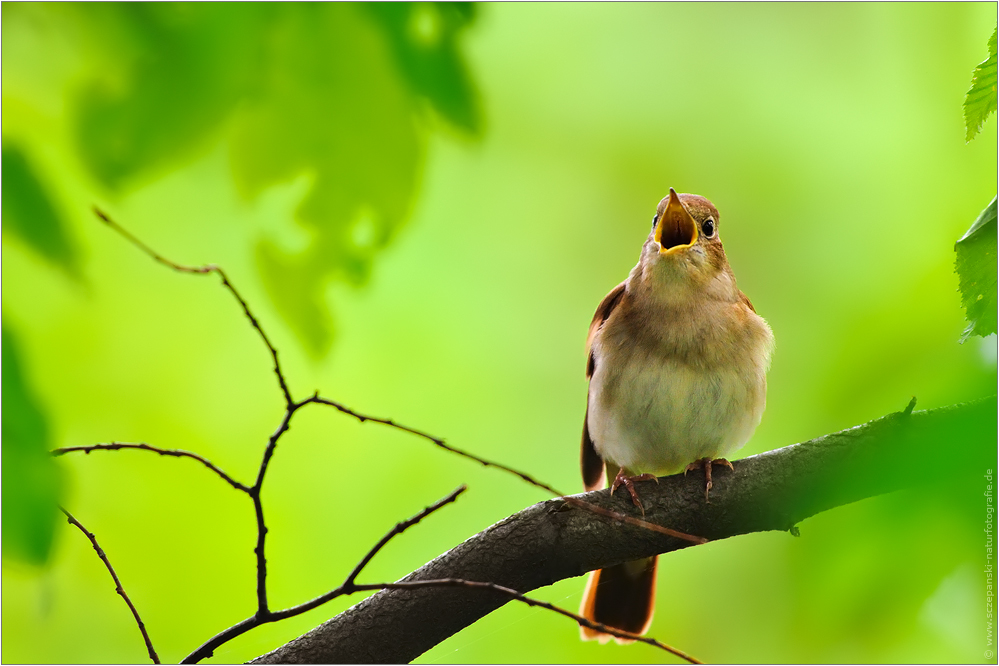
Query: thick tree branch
[350, 586]
[517, 596]
[554, 540]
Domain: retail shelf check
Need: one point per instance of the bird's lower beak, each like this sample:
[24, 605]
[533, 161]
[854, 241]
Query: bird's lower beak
[676, 230]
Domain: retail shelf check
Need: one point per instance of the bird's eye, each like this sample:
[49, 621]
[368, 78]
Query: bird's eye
[708, 227]
[655, 218]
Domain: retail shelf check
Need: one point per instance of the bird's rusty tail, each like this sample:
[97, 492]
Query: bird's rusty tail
[622, 596]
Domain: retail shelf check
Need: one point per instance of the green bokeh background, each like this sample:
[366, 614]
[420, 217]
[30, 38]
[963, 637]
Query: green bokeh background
[831, 139]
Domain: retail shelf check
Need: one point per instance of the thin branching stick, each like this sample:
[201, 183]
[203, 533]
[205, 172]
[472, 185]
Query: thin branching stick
[266, 617]
[117, 583]
[437, 441]
[176, 453]
[204, 270]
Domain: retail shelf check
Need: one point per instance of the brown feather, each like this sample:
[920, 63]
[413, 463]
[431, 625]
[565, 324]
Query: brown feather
[622, 596]
[590, 461]
[599, 317]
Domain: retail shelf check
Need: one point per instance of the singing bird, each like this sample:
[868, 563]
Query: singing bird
[677, 363]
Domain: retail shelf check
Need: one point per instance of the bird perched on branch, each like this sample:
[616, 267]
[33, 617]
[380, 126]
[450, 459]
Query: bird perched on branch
[677, 368]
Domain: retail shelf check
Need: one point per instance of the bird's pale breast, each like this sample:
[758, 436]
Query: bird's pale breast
[671, 389]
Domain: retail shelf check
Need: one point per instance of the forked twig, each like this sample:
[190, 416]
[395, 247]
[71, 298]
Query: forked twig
[117, 583]
[400, 528]
[347, 587]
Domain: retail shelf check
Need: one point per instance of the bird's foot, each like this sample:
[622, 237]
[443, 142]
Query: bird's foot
[628, 482]
[706, 464]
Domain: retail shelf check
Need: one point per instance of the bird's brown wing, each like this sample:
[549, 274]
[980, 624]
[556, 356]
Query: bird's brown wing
[599, 317]
[745, 299]
[590, 461]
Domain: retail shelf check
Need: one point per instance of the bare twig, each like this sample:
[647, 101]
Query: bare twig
[176, 453]
[290, 405]
[607, 513]
[117, 583]
[400, 528]
[258, 508]
[514, 594]
[347, 587]
[526, 477]
[436, 440]
[210, 268]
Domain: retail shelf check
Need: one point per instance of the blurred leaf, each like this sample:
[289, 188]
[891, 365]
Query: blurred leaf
[291, 285]
[976, 269]
[31, 480]
[184, 68]
[423, 38]
[981, 98]
[330, 90]
[333, 104]
[30, 214]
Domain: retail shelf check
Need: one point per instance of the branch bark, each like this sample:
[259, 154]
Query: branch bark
[554, 540]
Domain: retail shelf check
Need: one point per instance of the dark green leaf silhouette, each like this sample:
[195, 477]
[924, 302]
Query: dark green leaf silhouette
[31, 480]
[30, 214]
[976, 268]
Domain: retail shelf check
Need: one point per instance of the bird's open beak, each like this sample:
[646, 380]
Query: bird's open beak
[676, 230]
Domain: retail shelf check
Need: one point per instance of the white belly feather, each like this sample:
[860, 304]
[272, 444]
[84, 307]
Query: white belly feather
[654, 413]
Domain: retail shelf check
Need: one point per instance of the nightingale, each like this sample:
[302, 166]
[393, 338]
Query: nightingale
[677, 363]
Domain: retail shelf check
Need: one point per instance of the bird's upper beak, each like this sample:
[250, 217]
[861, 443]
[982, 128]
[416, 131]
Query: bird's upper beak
[676, 230]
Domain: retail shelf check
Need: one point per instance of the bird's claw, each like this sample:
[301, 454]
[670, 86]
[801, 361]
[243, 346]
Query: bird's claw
[628, 482]
[706, 464]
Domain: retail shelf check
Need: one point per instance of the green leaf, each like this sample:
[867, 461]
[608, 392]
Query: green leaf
[981, 98]
[337, 91]
[31, 480]
[333, 104]
[423, 37]
[291, 282]
[183, 70]
[30, 214]
[976, 269]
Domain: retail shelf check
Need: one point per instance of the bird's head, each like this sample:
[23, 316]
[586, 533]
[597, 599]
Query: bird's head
[683, 246]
